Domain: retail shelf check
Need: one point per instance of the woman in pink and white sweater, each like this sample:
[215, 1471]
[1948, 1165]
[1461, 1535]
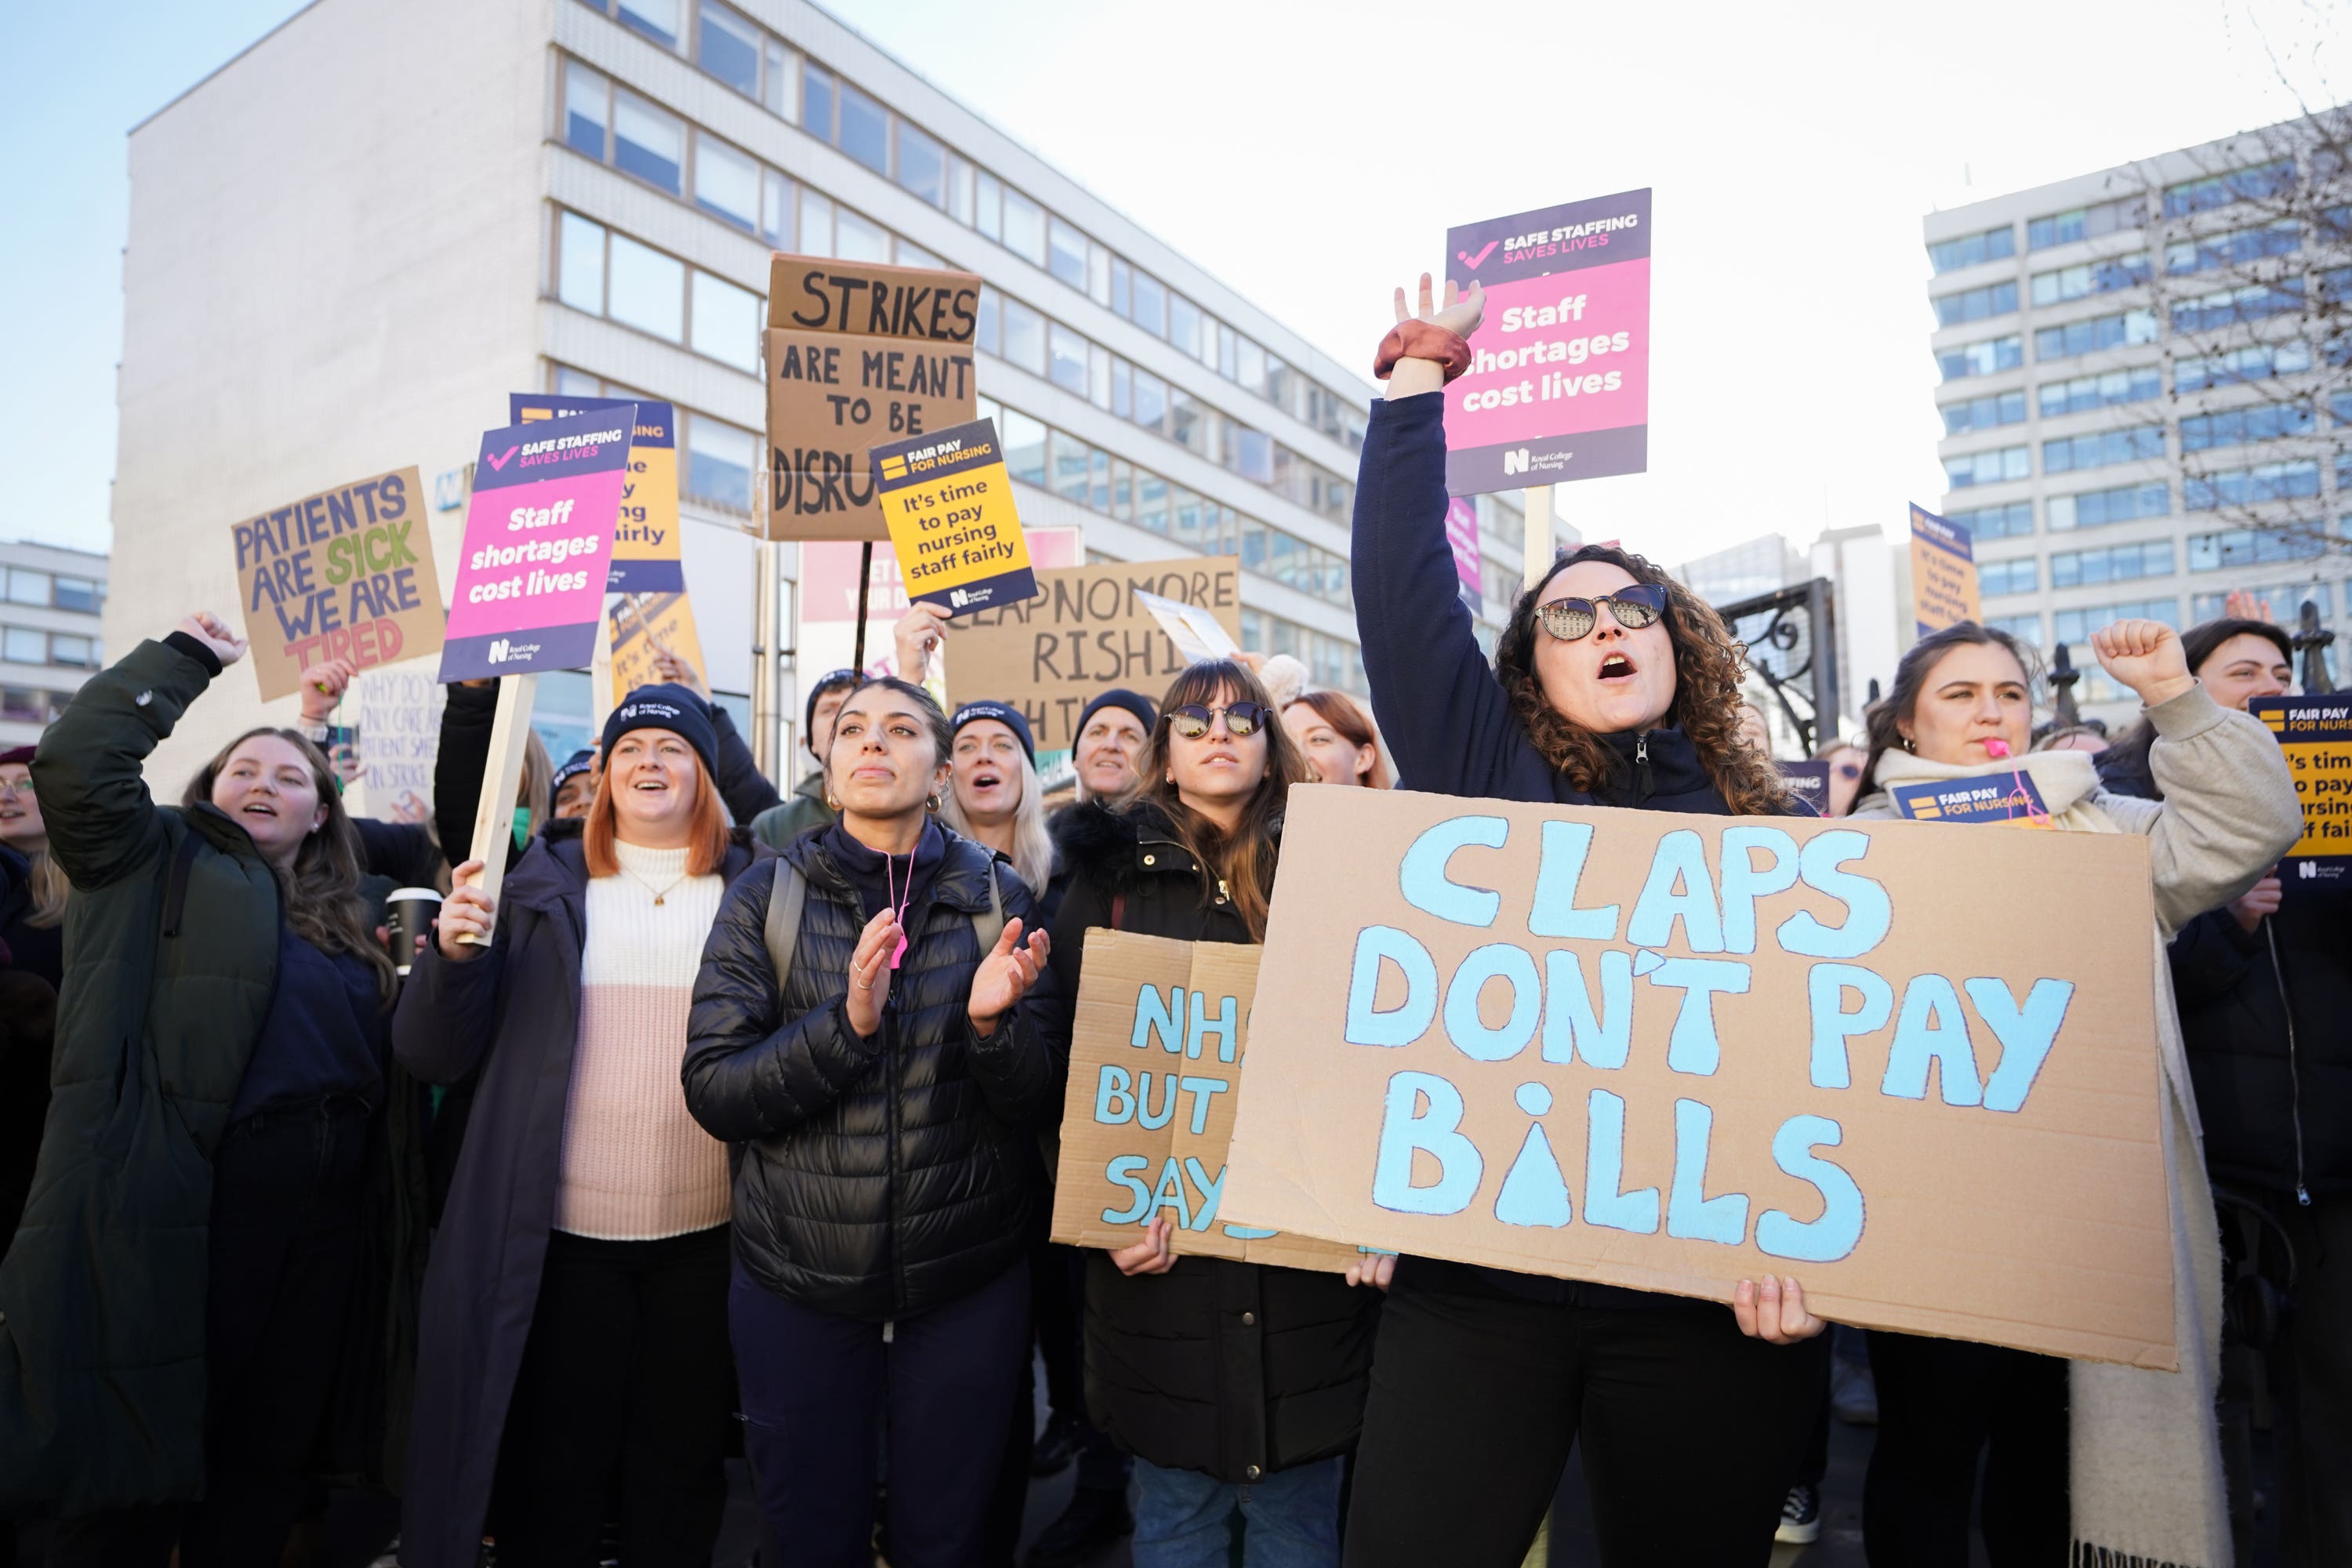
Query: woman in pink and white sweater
[572, 1365]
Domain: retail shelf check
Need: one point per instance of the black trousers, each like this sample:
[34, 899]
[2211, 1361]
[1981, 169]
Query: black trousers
[283, 1251]
[622, 1407]
[2312, 1369]
[1941, 1404]
[1690, 1431]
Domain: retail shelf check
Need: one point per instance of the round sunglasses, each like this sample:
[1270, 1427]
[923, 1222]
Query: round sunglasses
[1632, 608]
[1191, 721]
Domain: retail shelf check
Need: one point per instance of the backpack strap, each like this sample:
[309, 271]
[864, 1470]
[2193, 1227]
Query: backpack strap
[989, 928]
[786, 898]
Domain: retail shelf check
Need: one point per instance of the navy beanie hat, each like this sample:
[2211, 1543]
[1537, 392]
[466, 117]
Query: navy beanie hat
[826, 682]
[671, 707]
[1134, 702]
[582, 761]
[1011, 718]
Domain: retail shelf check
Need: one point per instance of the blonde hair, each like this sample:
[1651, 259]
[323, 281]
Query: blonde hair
[48, 888]
[1033, 845]
[536, 791]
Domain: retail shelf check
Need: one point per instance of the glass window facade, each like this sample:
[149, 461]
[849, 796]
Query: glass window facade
[1973, 250]
[647, 142]
[2285, 600]
[1976, 304]
[2248, 303]
[2097, 450]
[2232, 549]
[2255, 184]
[2250, 486]
[2007, 521]
[1989, 468]
[2082, 222]
[2235, 248]
[2084, 393]
[2097, 509]
[2081, 282]
[1986, 358]
[2254, 362]
[2117, 330]
[2075, 625]
[1984, 412]
[2115, 563]
[2020, 576]
[2236, 427]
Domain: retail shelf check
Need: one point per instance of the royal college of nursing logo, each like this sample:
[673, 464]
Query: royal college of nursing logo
[505, 651]
[1516, 460]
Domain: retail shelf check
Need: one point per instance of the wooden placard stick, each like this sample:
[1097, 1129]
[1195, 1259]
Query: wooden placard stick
[494, 816]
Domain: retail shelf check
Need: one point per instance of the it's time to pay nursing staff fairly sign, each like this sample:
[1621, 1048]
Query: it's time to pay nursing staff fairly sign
[1558, 383]
[1912, 1064]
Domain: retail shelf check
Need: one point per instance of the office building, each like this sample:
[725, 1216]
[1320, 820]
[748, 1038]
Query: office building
[2142, 389]
[350, 243]
[50, 599]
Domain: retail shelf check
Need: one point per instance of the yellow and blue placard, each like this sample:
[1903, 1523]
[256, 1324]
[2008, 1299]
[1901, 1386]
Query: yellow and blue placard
[644, 540]
[2316, 732]
[948, 499]
[1987, 798]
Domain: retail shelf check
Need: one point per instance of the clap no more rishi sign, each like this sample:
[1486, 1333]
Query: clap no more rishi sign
[530, 592]
[1912, 1066]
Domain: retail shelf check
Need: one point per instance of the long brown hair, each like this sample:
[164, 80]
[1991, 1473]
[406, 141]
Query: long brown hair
[1352, 725]
[1709, 666]
[1243, 860]
[322, 892]
[707, 835]
[1882, 723]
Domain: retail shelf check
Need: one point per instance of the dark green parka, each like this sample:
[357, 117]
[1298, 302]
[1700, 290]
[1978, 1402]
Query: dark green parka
[171, 965]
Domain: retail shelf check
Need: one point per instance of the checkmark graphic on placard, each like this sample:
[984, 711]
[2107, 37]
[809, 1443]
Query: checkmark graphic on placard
[500, 460]
[1472, 261]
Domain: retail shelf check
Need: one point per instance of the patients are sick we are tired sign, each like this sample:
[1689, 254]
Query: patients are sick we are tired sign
[1911, 1064]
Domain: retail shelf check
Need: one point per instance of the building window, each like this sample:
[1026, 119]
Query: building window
[2098, 332]
[1150, 401]
[1185, 324]
[1068, 467]
[2076, 626]
[864, 130]
[1024, 227]
[2235, 248]
[2255, 183]
[648, 289]
[727, 47]
[2082, 222]
[2285, 602]
[81, 594]
[1025, 337]
[776, 201]
[2007, 521]
[25, 706]
[726, 183]
[816, 100]
[1972, 250]
[1066, 255]
[2233, 549]
[959, 205]
[2097, 509]
[82, 652]
[2254, 362]
[1984, 412]
[2250, 487]
[656, 19]
[1150, 312]
[817, 224]
[580, 263]
[726, 322]
[1988, 467]
[720, 459]
[2084, 393]
[1025, 447]
[2018, 576]
[2236, 427]
[2073, 453]
[20, 645]
[1987, 358]
[1975, 304]
[988, 215]
[857, 238]
[922, 165]
[647, 142]
[2116, 564]
[783, 95]
[2227, 306]
[1066, 358]
[586, 107]
[2089, 277]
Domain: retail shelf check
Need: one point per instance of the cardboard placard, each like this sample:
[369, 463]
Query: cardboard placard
[1943, 572]
[949, 501]
[644, 626]
[646, 557]
[398, 715]
[345, 573]
[2315, 733]
[1194, 630]
[1155, 1073]
[1913, 1068]
[1083, 632]
[1559, 383]
[858, 354]
[530, 593]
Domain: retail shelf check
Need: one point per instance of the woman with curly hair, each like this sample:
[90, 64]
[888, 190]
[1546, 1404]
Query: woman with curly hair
[1612, 686]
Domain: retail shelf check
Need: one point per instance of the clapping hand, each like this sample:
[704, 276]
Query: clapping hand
[1005, 975]
[870, 972]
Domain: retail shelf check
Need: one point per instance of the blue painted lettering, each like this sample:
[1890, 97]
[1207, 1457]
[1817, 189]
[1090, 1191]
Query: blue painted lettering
[1932, 1028]
[1604, 1168]
[2026, 1034]
[1409, 1019]
[1679, 887]
[1405, 1128]
[1690, 1212]
[1571, 1028]
[1869, 912]
[1558, 871]
[1825, 988]
[1832, 1236]
[1422, 878]
[1471, 1037]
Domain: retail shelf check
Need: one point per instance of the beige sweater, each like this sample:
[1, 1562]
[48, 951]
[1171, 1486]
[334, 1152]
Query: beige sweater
[2147, 1462]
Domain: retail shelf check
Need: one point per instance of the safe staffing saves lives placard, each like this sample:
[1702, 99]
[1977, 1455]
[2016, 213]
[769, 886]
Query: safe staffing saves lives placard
[539, 541]
[1558, 383]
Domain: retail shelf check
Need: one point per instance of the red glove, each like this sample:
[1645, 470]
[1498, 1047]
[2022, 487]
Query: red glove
[1421, 340]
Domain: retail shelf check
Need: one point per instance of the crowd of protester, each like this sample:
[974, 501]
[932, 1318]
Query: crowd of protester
[728, 1126]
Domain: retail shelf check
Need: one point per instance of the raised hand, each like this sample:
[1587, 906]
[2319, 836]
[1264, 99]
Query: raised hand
[323, 686]
[1459, 313]
[1153, 1255]
[919, 634]
[2241, 606]
[1005, 975]
[467, 916]
[212, 632]
[869, 974]
[1774, 1311]
[670, 667]
[2146, 655]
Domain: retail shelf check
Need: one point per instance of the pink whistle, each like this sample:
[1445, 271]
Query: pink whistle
[1996, 747]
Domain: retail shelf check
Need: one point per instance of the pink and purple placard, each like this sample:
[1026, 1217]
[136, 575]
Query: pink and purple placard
[1558, 383]
[530, 591]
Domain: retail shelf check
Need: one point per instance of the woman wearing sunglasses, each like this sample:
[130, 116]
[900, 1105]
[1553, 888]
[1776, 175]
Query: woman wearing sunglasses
[1612, 685]
[1235, 1384]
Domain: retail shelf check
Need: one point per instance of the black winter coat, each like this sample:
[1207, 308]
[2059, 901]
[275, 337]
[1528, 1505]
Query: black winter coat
[511, 1017]
[874, 1178]
[1238, 1370]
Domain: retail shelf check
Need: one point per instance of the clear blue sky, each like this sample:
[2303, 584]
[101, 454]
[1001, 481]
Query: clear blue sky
[1792, 153]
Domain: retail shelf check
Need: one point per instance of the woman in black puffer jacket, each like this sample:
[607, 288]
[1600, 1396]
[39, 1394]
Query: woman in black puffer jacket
[877, 1097]
[1236, 1385]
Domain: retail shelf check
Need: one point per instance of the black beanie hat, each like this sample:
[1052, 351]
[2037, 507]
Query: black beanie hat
[1011, 718]
[829, 681]
[1134, 702]
[671, 707]
[582, 761]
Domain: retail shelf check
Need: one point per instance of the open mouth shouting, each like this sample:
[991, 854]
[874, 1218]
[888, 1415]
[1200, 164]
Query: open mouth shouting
[1618, 666]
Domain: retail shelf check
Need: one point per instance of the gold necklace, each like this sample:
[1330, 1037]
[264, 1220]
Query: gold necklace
[659, 894]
